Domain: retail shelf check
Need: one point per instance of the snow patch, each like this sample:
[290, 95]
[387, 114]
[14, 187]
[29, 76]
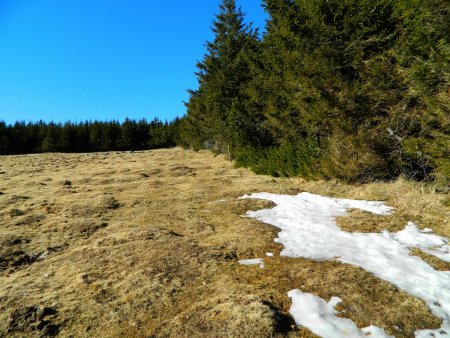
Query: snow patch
[309, 230]
[320, 318]
[269, 254]
[253, 261]
[424, 240]
[218, 201]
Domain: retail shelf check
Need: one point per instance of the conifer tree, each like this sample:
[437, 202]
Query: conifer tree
[216, 110]
[51, 141]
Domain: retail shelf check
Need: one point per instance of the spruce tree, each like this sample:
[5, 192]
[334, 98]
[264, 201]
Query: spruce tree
[216, 110]
[52, 139]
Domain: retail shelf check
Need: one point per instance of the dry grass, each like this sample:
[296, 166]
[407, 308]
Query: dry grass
[146, 244]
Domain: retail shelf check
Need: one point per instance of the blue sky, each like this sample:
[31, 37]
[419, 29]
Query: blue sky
[102, 59]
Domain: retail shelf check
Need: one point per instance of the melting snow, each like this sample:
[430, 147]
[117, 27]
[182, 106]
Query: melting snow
[309, 230]
[320, 317]
[424, 240]
[253, 261]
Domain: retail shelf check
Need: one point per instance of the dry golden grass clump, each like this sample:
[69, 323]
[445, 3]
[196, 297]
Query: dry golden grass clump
[147, 244]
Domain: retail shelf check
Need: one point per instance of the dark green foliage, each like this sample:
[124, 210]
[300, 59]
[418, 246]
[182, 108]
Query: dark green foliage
[22, 138]
[217, 115]
[423, 116]
[353, 89]
[286, 160]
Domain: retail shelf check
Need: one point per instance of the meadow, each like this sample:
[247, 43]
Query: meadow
[147, 244]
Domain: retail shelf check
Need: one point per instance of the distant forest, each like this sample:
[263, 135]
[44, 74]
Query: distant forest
[357, 90]
[22, 138]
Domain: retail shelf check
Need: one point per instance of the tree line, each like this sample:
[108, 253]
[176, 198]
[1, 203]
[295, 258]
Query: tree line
[89, 136]
[352, 89]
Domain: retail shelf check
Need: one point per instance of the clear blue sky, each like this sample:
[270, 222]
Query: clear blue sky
[103, 59]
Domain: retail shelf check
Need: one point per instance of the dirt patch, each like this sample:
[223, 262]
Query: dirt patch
[34, 321]
[12, 259]
[14, 240]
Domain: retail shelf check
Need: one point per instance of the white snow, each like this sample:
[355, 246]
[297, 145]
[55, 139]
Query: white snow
[309, 230]
[218, 201]
[375, 331]
[424, 240]
[253, 261]
[320, 318]
[269, 254]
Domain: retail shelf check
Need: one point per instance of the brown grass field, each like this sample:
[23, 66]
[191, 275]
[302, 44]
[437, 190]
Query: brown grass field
[147, 244]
